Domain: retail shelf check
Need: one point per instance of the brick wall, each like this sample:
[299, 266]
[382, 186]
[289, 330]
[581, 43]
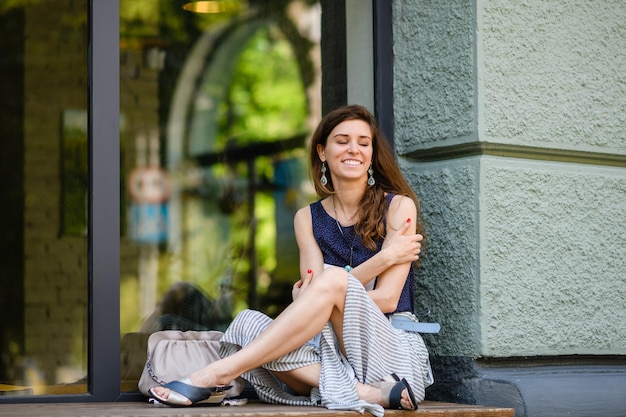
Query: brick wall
[55, 265]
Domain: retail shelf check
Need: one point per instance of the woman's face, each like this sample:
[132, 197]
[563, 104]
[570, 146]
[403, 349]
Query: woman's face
[348, 151]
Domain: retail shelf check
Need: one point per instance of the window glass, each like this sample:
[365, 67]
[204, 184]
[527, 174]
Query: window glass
[216, 110]
[43, 215]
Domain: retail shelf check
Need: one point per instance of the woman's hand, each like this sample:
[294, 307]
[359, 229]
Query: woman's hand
[404, 245]
[301, 284]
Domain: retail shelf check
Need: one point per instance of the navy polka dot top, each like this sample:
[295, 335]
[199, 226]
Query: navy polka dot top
[342, 247]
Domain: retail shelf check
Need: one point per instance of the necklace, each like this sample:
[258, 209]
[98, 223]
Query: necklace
[347, 267]
[349, 218]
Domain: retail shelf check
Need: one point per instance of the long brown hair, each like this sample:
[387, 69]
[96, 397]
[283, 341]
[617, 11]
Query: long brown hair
[389, 179]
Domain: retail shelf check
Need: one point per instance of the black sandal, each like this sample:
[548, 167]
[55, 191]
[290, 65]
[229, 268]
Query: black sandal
[391, 388]
[182, 392]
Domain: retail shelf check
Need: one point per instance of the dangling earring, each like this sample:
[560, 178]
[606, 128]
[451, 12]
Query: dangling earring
[324, 180]
[371, 181]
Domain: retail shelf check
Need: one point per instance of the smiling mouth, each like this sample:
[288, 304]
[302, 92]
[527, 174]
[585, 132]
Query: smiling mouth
[352, 162]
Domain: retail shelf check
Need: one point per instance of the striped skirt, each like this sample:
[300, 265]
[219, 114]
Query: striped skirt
[374, 349]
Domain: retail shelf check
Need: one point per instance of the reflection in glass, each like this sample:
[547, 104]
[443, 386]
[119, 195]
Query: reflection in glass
[43, 216]
[217, 109]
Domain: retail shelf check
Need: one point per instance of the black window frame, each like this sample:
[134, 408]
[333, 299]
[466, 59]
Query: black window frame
[334, 60]
[383, 66]
[104, 199]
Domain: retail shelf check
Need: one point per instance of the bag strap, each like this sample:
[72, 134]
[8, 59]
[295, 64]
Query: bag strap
[151, 372]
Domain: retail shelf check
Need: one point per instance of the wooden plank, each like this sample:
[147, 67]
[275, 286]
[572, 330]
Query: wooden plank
[140, 409]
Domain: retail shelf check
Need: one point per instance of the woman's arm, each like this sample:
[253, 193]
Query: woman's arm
[401, 244]
[391, 280]
[311, 258]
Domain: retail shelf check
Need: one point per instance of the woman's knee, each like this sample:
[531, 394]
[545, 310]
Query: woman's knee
[334, 280]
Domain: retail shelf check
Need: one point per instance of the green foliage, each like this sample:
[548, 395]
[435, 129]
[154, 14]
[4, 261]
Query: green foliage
[266, 100]
[164, 19]
[74, 173]
[139, 18]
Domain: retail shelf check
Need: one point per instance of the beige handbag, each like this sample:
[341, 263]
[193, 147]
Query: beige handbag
[174, 354]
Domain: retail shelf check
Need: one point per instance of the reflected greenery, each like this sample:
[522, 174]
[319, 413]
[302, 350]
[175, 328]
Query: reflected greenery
[266, 99]
[165, 19]
[265, 102]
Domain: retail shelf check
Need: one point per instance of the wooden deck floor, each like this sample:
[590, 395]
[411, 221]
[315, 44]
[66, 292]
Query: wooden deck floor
[140, 409]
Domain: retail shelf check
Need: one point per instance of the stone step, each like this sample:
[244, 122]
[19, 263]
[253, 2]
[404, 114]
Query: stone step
[141, 409]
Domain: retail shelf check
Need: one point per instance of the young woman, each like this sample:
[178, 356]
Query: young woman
[334, 345]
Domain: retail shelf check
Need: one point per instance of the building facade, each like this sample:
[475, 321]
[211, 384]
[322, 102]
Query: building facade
[508, 119]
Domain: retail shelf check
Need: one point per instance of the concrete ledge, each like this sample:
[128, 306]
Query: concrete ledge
[142, 409]
[535, 387]
[546, 391]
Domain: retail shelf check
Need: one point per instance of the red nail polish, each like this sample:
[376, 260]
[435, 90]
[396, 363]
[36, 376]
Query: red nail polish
[408, 220]
[308, 271]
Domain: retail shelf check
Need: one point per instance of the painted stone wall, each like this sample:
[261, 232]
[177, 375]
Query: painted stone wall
[434, 74]
[551, 74]
[434, 105]
[524, 257]
[553, 240]
[448, 277]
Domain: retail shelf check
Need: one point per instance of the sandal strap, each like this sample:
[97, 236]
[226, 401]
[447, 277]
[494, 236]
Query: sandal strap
[193, 393]
[391, 388]
[395, 396]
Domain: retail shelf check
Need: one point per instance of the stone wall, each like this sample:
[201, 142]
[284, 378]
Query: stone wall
[509, 122]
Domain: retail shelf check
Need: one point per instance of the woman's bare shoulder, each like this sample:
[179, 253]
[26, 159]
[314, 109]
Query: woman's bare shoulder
[401, 202]
[303, 217]
[302, 214]
[401, 208]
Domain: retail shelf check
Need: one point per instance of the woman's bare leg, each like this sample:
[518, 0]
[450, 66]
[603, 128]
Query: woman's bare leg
[301, 380]
[321, 302]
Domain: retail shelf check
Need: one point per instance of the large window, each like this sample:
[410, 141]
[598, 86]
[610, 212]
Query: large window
[216, 109]
[45, 184]
[152, 159]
